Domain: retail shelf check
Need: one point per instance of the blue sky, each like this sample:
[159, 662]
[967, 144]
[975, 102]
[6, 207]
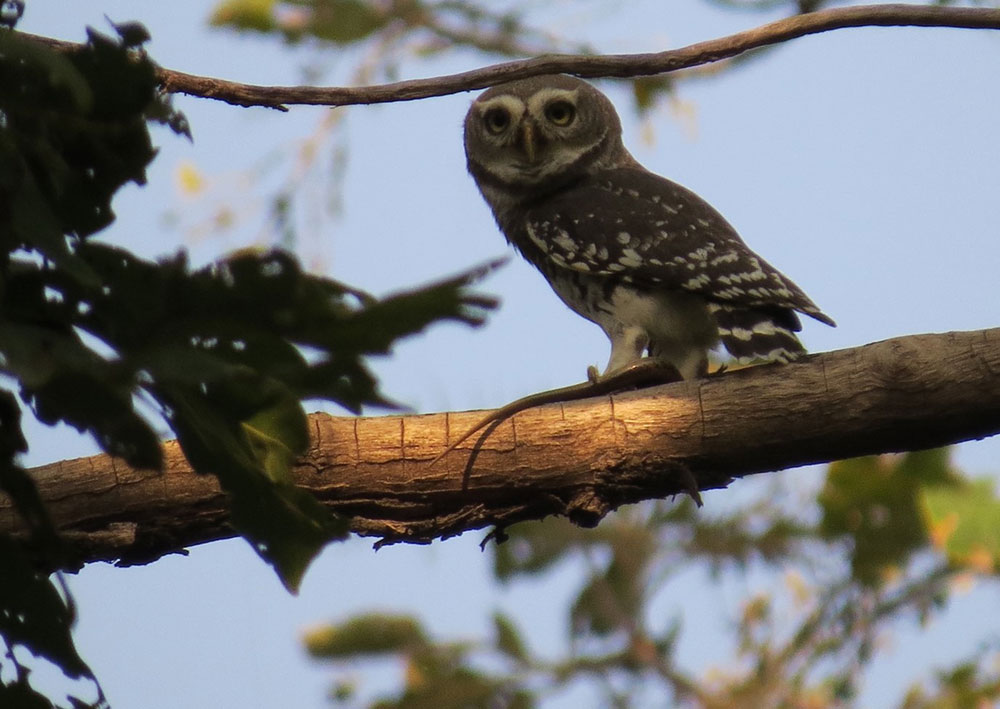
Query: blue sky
[865, 164]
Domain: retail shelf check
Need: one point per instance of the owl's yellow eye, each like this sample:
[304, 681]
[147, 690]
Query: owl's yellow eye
[496, 120]
[561, 113]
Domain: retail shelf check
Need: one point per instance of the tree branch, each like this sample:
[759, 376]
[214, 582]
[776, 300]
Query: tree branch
[617, 65]
[580, 459]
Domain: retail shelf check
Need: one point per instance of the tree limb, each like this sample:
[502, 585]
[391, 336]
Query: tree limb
[617, 65]
[580, 459]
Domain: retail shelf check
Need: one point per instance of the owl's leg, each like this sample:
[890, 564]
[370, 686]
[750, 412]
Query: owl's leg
[628, 343]
[691, 362]
[627, 369]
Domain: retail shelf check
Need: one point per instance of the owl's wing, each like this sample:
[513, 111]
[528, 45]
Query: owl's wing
[642, 229]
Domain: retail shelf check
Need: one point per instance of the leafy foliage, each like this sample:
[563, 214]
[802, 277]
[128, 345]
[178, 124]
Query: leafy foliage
[437, 674]
[962, 522]
[225, 353]
[432, 26]
[366, 635]
[804, 638]
[875, 503]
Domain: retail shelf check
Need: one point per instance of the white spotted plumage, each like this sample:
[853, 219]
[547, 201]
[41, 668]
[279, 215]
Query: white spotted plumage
[650, 262]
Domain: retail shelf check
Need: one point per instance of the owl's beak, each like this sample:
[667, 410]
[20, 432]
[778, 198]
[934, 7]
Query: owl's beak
[526, 140]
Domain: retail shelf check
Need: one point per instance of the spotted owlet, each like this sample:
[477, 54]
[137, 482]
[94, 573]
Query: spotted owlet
[649, 261]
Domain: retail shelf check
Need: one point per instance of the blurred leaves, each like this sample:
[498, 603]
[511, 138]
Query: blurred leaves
[245, 15]
[435, 675]
[508, 638]
[227, 351]
[72, 132]
[428, 27]
[825, 579]
[874, 503]
[966, 685]
[964, 523]
[337, 21]
[373, 634]
[223, 350]
[35, 615]
[224, 353]
[647, 91]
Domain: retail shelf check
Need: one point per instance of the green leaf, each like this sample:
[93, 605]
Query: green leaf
[376, 327]
[964, 522]
[19, 485]
[12, 439]
[278, 434]
[595, 610]
[33, 219]
[133, 34]
[287, 526]
[245, 15]
[91, 405]
[874, 502]
[43, 67]
[647, 91]
[367, 634]
[34, 614]
[345, 21]
[74, 132]
[508, 639]
[615, 593]
[65, 381]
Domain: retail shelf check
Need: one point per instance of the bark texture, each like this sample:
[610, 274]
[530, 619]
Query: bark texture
[580, 459]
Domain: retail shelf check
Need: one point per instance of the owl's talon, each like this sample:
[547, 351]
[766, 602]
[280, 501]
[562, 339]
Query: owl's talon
[593, 376]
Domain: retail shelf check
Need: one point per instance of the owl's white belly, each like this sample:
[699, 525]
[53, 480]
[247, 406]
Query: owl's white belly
[675, 327]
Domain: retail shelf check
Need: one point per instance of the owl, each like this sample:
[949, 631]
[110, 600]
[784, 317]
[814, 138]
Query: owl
[655, 266]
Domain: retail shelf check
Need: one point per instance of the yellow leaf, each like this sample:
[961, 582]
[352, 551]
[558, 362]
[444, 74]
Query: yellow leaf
[189, 179]
[415, 677]
[981, 559]
[244, 15]
[942, 529]
[801, 593]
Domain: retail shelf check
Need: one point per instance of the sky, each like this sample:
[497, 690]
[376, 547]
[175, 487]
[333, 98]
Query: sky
[865, 164]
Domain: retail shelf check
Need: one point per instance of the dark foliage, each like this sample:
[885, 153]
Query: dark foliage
[225, 353]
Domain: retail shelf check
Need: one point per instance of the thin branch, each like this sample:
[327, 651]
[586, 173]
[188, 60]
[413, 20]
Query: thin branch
[616, 65]
[581, 459]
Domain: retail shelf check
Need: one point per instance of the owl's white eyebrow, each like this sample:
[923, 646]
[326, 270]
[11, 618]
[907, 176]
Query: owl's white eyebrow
[544, 96]
[514, 105]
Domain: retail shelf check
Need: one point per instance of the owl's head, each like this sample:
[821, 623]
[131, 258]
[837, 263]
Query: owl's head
[541, 132]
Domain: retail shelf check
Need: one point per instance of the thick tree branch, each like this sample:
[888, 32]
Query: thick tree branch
[580, 459]
[619, 65]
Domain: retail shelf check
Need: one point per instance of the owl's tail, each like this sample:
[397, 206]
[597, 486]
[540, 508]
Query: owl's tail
[765, 333]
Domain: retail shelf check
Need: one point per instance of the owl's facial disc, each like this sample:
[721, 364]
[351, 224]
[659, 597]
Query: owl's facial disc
[534, 137]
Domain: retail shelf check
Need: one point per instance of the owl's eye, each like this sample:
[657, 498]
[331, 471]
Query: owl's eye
[561, 113]
[496, 120]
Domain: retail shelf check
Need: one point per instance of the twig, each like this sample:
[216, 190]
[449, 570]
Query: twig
[587, 66]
